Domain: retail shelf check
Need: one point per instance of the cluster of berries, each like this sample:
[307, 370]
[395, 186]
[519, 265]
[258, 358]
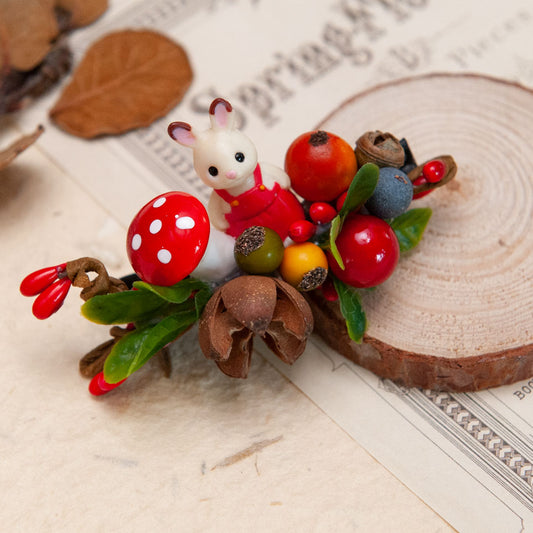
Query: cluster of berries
[350, 198]
[50, 285]
[321, 167]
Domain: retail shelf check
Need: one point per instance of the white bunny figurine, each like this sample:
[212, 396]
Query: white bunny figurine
[245, 193]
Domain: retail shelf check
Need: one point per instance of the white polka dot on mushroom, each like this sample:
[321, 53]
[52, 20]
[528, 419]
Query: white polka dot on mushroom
[185, 223]
[159, 202]
[136, 242]
[164, 256]
[155, 226]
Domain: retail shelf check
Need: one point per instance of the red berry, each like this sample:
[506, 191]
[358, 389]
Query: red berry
[322, 212]
[301, 230]
[369, 250]
[340, 200]
[51, 299]
[328, 290]
[99, 386]
[167, 238]
[37, 281]
[320, 165]
[420, 181]
[434, 170]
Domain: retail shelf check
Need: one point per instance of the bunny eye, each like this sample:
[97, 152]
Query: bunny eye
[213, 171]
[239, 156]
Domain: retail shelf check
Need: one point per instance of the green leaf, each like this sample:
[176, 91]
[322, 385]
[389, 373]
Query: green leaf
[177, 293]
[134, 349]
[359, 192]
[200, 300]
[351, 309]
[409, 227]
[361, 188]
[123, 307]
[336, 225]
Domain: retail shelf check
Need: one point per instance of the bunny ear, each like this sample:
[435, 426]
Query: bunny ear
[221, 114]
[182, 133]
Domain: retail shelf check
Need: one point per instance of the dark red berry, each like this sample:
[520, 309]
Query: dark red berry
[340, 200]
[301, 230]
[421, 180]
[434, 170]
[328, 290]
[322, 212]
[51, 299]
[37, 281]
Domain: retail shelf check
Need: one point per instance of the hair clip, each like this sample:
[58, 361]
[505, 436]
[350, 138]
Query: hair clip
[334, 222]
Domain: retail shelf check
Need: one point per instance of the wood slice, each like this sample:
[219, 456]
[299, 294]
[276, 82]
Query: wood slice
[457, 314]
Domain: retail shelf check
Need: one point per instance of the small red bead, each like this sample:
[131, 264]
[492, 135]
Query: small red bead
[340, 200]
[434, 170]
[322, 212]
[420, 181]
[35, 283]
[301, 230]
[329, 292]
[51, 299]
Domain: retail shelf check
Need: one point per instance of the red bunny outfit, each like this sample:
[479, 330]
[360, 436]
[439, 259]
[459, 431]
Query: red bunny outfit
[274, 208]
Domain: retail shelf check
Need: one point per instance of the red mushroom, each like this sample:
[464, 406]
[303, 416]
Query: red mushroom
[167, 238]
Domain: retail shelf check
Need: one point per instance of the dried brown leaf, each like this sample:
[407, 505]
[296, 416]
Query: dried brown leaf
[7, 155]
[18, 88]
[29, 27]
[93, 362]
[83, 12]
[126, 80]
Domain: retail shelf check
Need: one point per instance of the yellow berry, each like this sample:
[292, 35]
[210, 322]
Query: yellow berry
[304, 266]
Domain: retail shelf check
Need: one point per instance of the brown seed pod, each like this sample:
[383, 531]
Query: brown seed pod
[382, 149]
[250, 305]
[449, 174]
[251, 300]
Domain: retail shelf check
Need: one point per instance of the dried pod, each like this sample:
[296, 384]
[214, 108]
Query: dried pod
[299, 318]
[382, 149]
[237, 365]
[251, 300]
[287, 334]
[250, 305]
[216, 329]
[450, 172]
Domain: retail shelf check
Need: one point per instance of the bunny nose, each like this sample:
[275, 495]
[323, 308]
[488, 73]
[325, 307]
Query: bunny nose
[231, 174]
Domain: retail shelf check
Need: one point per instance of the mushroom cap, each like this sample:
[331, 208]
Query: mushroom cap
[167, 238]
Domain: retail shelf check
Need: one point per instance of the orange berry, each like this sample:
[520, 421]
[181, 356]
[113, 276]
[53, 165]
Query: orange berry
[304, 266]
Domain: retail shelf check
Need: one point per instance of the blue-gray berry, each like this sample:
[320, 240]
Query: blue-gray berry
[392, 194]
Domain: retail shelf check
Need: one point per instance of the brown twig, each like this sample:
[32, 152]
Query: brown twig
[102, 284]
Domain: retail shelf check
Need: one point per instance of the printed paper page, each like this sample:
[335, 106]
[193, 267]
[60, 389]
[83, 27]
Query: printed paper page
[285, 65]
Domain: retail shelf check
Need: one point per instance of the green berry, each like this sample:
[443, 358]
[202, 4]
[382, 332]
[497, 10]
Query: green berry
[258, 250]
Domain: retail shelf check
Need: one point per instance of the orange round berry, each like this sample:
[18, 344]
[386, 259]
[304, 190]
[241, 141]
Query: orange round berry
[320, 165]
[304, 266]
